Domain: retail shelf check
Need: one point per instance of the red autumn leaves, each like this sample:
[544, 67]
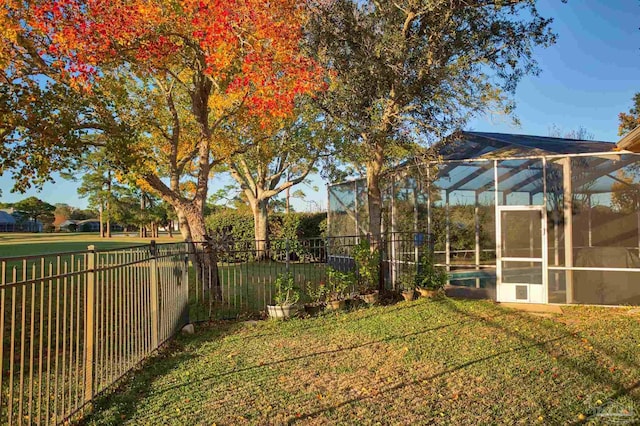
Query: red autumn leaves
[248, 48]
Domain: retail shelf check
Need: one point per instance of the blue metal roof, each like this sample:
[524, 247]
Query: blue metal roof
[470, 145]
[6, 218]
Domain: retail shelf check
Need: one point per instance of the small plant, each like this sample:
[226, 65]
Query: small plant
[338, 283]
[286, 292]
[407, 281]
[429, 276]
[317, 294]
[368, 266]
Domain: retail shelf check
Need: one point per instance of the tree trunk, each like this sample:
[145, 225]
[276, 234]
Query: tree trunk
[207, 257]
[374, 198]
[261, 225]
[288, 206]
[109, 205]
[170, 229]
[101, 221]
[143, 230]
[183, 225]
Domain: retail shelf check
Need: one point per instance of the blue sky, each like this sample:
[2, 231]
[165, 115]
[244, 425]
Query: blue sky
[588, 77]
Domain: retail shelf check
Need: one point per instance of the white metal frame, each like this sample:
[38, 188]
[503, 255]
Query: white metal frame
[542, 260]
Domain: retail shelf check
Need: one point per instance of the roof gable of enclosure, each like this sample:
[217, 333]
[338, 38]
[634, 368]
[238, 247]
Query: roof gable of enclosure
[473, 145]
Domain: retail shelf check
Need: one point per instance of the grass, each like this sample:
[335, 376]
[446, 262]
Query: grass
[27, 244]
[422, 362]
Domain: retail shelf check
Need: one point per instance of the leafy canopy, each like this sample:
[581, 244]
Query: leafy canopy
[155, 77]
[410, 70]
[630, 120]
[34, 208]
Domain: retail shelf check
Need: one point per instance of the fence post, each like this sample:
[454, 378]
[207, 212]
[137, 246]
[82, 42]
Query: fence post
[287, 254]
[89, 321]
[381, 257]
[153, 275]
[185, 283]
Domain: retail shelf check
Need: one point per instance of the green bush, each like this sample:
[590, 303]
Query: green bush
[239, 225]
[429, 276]
[367, 265]
[296, 225]
[338, 283]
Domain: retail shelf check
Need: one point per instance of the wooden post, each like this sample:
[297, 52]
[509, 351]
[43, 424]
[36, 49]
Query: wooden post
[356, 213]
[89, 321]
[638, 214]
[590, 220]
[185, 284]
[429, 237]
[153, 275]
[415, 224]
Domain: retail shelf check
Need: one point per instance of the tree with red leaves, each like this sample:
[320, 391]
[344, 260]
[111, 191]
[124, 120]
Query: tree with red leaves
[153, 82]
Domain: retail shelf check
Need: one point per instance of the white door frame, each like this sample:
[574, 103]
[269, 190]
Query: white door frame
[542, 260]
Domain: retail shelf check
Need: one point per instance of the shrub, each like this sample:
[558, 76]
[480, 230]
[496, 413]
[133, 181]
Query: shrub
[430, 276]
[368, 266]
[239, 225]
[338, 283]
[317, 294]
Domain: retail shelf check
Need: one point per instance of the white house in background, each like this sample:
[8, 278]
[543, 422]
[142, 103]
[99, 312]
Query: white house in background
[68, 225]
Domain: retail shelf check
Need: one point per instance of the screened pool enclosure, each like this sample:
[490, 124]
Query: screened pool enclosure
[514, 218]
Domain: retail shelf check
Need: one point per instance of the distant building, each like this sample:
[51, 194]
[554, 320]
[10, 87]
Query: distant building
[7, 222]
[11, 221]
[89, 225]
[68, 225]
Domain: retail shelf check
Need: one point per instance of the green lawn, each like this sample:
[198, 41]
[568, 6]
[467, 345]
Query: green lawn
[422, 362]
[27, 244]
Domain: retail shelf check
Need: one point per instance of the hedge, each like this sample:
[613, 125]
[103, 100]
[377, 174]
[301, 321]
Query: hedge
[240, 225]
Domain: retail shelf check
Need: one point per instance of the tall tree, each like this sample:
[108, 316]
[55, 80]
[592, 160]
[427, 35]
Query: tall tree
[630, 120]
[408, 72]
[275, 162]
[35, 209]
[100, 185]
[156, 78]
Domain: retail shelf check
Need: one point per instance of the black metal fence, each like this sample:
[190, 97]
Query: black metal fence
[247, 275]
[72, 324]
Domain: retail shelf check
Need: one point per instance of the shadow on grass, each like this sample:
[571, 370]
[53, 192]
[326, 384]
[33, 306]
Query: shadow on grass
[210, 379]
[118, 402]
[490, 315]
[422, 379]
[598, 375]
